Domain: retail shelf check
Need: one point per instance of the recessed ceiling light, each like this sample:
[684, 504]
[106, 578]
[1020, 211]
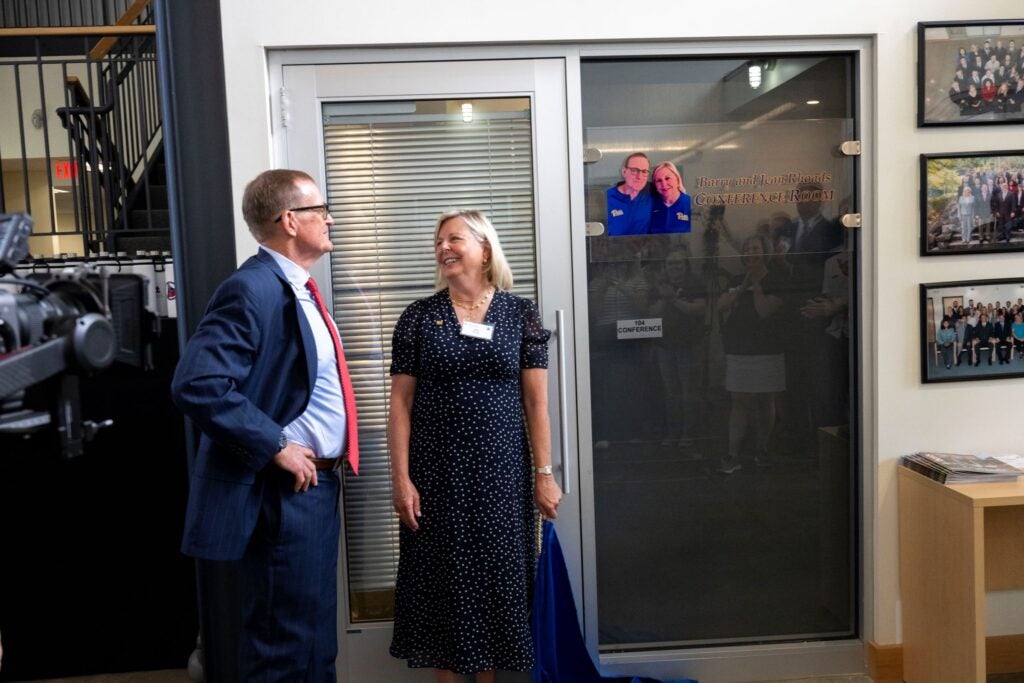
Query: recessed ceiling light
[812, 102]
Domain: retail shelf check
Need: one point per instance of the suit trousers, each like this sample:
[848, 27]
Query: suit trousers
[289, 583]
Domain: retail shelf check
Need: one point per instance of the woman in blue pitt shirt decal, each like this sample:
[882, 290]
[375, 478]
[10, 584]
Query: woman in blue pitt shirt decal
[671, 211]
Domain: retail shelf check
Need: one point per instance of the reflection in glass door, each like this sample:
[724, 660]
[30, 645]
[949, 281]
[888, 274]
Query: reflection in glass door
[720, 285]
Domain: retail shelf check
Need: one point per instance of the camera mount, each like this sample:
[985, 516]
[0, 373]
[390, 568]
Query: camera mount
[58, 327]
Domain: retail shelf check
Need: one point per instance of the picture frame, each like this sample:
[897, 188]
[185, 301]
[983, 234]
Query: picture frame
[940, 47]
[999, 351]
[995, 217]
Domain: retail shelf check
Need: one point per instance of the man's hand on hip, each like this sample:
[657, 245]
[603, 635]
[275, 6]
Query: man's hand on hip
[299, 461]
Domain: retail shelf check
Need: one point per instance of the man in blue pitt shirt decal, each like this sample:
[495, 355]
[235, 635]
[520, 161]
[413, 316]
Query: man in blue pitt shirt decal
[629, 202]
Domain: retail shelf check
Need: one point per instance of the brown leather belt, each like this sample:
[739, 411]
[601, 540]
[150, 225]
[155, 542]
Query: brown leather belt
[326, 463]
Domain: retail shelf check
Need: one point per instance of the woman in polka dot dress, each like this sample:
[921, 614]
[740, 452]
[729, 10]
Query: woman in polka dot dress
[468, 400]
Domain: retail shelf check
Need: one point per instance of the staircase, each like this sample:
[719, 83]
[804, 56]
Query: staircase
[148, 223]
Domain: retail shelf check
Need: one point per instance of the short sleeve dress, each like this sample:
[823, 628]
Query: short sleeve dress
[464, 577]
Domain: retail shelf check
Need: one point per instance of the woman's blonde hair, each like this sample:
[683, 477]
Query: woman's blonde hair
[675, 171]
[496, 268]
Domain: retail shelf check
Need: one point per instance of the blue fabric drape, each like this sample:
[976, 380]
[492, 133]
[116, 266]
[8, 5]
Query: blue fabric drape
[562, 655]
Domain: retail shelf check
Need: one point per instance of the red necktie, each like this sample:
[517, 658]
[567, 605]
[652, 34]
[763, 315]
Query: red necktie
[351, 431]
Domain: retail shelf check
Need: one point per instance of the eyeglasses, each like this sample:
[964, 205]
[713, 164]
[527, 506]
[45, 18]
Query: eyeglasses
[639, 171]
[322, 209]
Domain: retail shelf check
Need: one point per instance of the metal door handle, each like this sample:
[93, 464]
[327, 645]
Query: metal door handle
[563, 403]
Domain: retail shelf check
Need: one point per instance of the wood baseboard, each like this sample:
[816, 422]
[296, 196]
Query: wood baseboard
[1003, 655]
[885, 662]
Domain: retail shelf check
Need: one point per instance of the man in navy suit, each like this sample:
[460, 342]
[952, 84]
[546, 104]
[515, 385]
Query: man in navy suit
[816, 367]
[264, 380]
[1002, 332]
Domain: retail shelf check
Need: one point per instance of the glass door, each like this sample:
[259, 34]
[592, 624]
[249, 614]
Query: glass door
[396, 144]
[721, 291]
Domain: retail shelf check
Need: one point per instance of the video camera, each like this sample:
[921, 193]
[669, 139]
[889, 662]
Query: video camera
[67, 323]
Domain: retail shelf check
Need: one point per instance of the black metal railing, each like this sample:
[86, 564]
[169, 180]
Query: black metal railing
[88, 128]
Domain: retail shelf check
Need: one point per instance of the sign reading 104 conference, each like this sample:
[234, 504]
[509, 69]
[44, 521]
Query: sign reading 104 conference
[641, 328]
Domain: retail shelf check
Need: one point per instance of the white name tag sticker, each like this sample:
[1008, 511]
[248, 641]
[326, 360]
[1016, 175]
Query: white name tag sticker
[478, 330]
[641, 328]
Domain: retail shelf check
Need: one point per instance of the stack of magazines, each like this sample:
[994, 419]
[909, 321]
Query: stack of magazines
[954, 468]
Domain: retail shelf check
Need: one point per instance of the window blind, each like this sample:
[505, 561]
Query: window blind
[388, 178]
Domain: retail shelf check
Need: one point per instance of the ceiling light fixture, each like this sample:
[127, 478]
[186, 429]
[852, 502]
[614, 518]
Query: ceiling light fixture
[754, 76]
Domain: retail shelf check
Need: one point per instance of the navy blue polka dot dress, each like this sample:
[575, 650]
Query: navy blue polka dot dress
[463, 578]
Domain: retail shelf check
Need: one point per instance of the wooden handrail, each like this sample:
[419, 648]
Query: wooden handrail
[66, 31]
[128, 18]
[72, 83]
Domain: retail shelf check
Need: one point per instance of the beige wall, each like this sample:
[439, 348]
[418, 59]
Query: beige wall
[902, 415]
[22, 145]
[39, 196]
[43, 214]
[28, 80]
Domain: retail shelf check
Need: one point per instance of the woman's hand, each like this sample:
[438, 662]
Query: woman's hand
[728, 298]
[406, 500]
[547, 494]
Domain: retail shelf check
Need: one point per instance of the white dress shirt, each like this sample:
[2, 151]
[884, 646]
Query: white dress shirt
[321, 427]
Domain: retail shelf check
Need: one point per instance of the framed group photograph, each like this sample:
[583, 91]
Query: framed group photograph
[972, 329]
[972, 203]
[970, 72]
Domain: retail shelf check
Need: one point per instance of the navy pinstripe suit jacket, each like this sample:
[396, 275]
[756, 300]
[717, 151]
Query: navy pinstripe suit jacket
[247, 371]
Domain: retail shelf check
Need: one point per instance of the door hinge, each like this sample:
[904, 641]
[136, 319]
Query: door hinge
[285, 102]
[591, 155]
[850, 220]
[850, 148]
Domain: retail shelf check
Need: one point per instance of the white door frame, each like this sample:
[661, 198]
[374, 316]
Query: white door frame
[298, 136]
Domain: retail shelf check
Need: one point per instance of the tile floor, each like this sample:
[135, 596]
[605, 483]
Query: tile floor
[181, 676]
[169, 676]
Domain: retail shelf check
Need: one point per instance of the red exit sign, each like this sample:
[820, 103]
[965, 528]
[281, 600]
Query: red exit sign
[65, 170]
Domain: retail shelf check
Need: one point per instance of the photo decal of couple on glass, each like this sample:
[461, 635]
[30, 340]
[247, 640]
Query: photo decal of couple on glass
[648, 201]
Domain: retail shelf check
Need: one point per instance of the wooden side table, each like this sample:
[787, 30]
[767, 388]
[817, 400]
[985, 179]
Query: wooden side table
[956, 543]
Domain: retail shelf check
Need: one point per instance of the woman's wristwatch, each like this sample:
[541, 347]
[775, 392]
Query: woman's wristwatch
[542, 470]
